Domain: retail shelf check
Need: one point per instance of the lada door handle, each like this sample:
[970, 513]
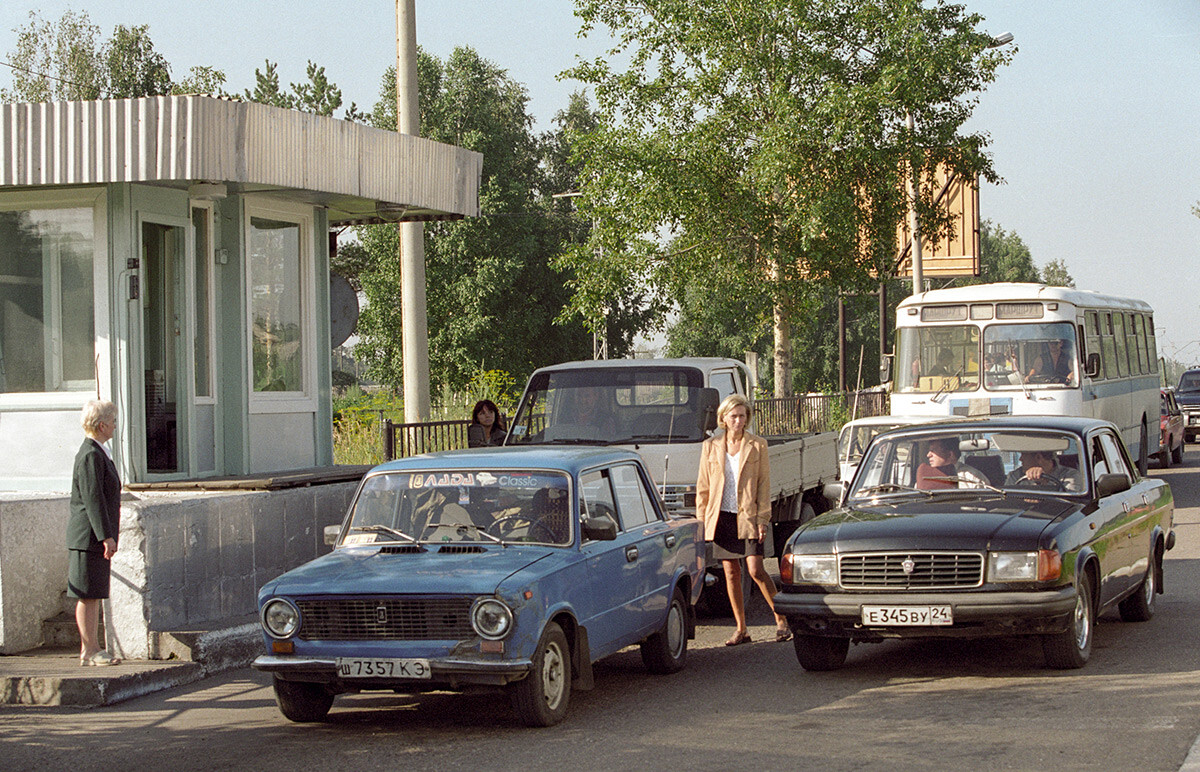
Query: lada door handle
[1125, 506]
[669, 540]
[631, 554]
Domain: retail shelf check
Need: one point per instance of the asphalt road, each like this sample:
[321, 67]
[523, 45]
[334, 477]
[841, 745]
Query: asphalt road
[897, 705]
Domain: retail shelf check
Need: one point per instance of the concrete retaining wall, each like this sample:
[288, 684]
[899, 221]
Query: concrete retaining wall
[33, 566]
[186, 561]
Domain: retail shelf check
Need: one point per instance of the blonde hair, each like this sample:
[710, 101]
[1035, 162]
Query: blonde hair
[728, 405]
[95, 411]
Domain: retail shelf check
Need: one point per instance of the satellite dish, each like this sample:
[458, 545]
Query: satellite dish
[343, 309]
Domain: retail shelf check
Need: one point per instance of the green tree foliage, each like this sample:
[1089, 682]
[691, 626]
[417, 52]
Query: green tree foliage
[201, 80]
[56, 60]
[69, 60]
[492, 295]
[1055, 274]
[316, 95]
[767, 139]
[1003, 256]
[134, 68]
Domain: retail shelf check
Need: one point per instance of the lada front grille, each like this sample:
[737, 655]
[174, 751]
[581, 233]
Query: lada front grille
[911, 570]
[396, 619]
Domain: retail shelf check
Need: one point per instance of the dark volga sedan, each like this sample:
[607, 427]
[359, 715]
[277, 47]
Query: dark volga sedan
[980, 527]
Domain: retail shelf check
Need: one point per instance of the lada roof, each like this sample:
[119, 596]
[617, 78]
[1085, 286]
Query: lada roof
[568, 459]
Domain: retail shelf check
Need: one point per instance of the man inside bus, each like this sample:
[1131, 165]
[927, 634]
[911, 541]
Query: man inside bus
[943, 470]
[1041, 469]
[1054, 365]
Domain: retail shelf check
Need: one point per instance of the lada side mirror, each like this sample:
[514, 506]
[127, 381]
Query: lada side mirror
[599, 529]
[710, 399]
[1108, 484]
[331, 534]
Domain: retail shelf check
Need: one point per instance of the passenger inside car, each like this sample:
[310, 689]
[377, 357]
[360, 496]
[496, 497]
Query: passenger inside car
[943, 469]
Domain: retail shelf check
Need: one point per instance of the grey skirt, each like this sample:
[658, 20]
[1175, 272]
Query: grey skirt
[726, 545]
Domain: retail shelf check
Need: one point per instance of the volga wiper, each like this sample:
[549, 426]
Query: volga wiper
[974, 484]
[883, 487]
[387, 531]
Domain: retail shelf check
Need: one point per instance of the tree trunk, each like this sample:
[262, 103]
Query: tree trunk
[783, 354]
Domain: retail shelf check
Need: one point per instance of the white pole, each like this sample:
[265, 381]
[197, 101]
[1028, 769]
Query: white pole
[415, 329]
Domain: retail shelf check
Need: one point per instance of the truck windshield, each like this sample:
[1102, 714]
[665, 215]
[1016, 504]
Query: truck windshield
[610, 405]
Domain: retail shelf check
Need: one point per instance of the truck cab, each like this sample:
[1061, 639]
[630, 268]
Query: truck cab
[663, 408]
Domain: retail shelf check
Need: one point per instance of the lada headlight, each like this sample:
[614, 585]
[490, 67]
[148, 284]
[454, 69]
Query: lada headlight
[491, 619]
[280, 618]
[812, 569]
[1036, 566]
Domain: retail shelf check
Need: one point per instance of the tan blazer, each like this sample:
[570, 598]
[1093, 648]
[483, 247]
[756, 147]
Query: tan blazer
[754, 485]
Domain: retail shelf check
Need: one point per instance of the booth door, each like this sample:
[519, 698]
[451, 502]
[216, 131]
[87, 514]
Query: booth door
[177, 346]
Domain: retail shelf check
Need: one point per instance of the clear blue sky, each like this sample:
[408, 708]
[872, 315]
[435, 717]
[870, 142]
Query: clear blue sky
[1095, 126]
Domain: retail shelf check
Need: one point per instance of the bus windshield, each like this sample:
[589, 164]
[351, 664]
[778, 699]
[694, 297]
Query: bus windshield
[1020, 355]
[941, 358]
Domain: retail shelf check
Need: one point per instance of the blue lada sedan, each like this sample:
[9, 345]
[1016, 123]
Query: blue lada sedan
[507, 567]
[1014, 525]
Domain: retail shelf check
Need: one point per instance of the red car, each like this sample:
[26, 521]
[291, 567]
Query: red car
[1171, 423]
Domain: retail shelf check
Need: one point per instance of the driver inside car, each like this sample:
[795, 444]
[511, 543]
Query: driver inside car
[1040, 469]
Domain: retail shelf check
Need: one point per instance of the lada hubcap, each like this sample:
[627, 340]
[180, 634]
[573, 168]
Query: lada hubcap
[553, 675]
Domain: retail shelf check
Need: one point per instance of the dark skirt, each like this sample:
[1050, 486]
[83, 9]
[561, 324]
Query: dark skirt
[87, 575]
[726, 545]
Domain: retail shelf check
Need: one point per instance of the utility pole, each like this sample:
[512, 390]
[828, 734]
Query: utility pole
[415, 330]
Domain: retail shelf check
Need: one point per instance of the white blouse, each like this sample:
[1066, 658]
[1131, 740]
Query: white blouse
[729, 501]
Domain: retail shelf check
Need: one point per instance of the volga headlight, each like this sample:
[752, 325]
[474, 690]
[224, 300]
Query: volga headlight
[280, 618]
[814, 569]
[491, 619]
[1034, 566]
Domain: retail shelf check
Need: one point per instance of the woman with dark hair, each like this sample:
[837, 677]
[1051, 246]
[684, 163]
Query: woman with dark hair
[487, 425]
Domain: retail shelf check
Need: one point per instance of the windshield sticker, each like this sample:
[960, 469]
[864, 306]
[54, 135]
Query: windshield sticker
[443, 480]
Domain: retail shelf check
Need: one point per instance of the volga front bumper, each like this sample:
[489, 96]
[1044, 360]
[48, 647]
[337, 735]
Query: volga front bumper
[975, 614]
[445, 672]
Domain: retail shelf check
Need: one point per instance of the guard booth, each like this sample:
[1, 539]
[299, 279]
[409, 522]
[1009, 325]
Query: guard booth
[172, 254]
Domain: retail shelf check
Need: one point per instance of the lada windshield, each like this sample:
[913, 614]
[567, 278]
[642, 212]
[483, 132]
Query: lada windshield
[1007, 461]
[497, 506]
[612, 405]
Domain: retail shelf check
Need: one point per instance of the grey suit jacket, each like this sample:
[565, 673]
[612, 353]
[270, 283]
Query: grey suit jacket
[95, 499]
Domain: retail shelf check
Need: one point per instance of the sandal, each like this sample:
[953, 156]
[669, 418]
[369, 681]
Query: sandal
[782, 634]
[100, 659]
[738, 639]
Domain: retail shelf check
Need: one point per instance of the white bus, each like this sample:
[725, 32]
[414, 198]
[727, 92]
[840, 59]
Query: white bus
[1029, 349]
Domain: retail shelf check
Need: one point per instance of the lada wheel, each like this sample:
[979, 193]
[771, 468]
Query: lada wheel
[1139, 607]
[302, 701]
[666, 650]
[818, 652]
[1072, 648]
[540, 698]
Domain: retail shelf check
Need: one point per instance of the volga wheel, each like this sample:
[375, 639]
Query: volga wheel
[1072, 648]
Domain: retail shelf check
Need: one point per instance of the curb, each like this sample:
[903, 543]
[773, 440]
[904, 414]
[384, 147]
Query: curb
[54, 678]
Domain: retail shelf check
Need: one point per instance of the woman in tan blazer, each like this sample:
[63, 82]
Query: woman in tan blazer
[733, 500]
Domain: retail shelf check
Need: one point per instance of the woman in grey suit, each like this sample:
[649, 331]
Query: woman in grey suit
[93, 527]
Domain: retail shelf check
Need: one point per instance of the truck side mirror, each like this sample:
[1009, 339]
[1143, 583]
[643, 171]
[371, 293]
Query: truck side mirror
[1093, 365]
[710, 399]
